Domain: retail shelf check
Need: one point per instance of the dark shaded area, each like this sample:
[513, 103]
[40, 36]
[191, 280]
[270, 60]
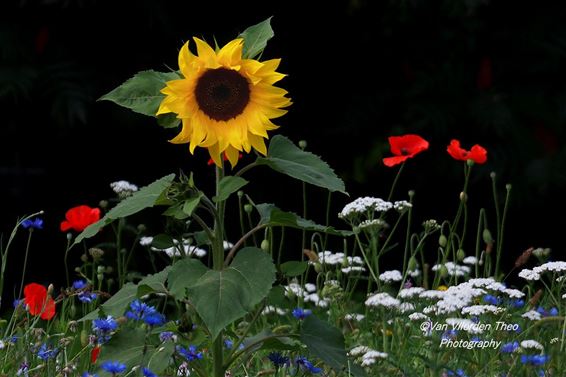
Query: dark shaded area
[482, 71]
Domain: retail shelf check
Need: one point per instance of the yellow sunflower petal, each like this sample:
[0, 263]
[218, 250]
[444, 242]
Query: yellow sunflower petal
[185, 135]
[258, 143]
[215, 155]
[231, 54]
[206, 54]
[186, 58]
[233, 155]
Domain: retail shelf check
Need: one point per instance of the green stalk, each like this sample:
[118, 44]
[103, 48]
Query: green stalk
[218, 265]
[501, 229]
[25, 262]
[392, 190]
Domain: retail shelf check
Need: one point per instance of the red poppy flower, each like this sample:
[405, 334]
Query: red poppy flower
[94, 354]
[38, 301]
[78, 218]
[225, 158]
[478, 154]
[404, 147]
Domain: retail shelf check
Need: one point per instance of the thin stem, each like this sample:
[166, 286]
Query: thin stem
[246, 168]
[395, 182]
[304, 233]
[241, 241]
[25, 262]
[501, 230]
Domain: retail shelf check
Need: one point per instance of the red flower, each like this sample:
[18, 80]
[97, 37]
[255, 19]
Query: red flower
[404, 147]
[478, 154]
[94, 354]
[78, 218]
[38, 301]
[225, 158]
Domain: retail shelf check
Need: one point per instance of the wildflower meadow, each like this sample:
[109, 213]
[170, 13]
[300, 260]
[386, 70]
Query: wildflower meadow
[237, 287]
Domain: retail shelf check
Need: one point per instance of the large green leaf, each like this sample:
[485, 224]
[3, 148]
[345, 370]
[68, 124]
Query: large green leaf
[221, 297]
[267, 340]
[183, 274]
[128, 347]
[255, 38]
[273, 216]
[142, 93]
[142, 199]
[285, 157]
[327, 343]
[227, 186]
[119, 302]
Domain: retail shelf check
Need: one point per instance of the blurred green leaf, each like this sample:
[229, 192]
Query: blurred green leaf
[293, 268]
[142, 93]
[285, 157]
[227, 186]
[256, 38]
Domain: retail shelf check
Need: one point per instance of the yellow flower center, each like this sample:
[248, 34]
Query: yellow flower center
[222, 93]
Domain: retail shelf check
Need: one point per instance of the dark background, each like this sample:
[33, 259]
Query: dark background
[487, 72]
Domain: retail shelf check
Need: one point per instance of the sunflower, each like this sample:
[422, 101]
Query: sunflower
[225, 102]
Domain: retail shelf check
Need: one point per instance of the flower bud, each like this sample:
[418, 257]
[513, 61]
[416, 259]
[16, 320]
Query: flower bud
[463, 197]
[318, 267]
[470, 162]
[99, 276]
[442, 240]
[460, 255]
[142, 228]
[443, 271]
[248, 208]
[487, 238]
[264, 245]
[508, 187]
[84, 338]
[84, 258]
[103, 204]
[240, 194]
[95, 252]
[413, 264]
[303, 144]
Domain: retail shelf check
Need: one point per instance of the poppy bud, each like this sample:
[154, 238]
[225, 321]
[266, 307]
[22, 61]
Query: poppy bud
[103, 204]
[142, 228]
[492, 175]
[487, 236]
[248, 208]
[413, 264]
[264, 245]
[95, 252]
[100, 276]
[443, 271]
[50, 289]
[442, 240]
[78, 270]
[84, 258]
[411, 193]
[109, 269]
[240, 194]
[463, 197]
[508, 187]
[318, 267]
[470, 162]
[460, 255]
[100, 269]
[303, 144]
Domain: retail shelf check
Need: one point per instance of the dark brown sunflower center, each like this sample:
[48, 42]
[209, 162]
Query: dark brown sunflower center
[222, 93]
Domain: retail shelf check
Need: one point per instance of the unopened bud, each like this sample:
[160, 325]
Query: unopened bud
[109, 269]
[460, 254]
[411, 193]
[240, 194]
[303, 144]
[487, 238]
[508, 187]
[443, 271]
[100, 269]
[69, 236]
[103, 204]
[95, 252]
[142, 228]
[413, 264]
[78, 270]
[248, 208]
[492, 175]
[470, 162]
[318, 268]
[265, 245]
[84, 258]
[84, 338]
[442, 240]
[50, 289]
[463, 197]
[99, 276]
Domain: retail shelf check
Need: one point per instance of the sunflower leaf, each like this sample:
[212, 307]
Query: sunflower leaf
[227, 186]
[256, 38]
[144, 198]
[142, 94]
[273, 216]
[285, 157]
[327, 343]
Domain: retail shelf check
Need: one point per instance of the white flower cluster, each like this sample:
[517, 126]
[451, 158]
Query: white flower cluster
[564, 295]
[123, 188]
[175, 251]
[472, 261]
[391, 276]
[375, 223]
[410, 292]
[364, 205]
[269, 309]
[482, 309]
[328, 257]
[466, 325]
[308, 293]
[431, 225]
[453, 269]
[532, 344]
[533, 315]
[382, 299]
[536, 272]
[402, 205]
[418, 317]
[366, 355]
[541, 252]
[354, 317]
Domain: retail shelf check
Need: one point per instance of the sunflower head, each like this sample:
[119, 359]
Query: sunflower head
[225, 102]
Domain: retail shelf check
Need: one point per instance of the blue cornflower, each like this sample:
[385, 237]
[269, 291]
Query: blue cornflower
[229, 344]
[541, 310]
[490, 299]
[30, 224]
[167, 335]
[113, 367]
[300, 313]
[87, 374]
[553, 312]
[449, 334]
[278, 360]
[154, 319]
[518, 303]
[103, 328]
[190, 354]
[535, 360]
[306, 366]
[87, 297]
[458, 373]
[79, 284]
[45, 353]
[509, 347]
[17, 303]
[148, 373]
[139, 310]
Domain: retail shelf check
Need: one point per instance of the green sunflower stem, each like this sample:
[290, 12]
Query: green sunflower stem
[218, 264]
